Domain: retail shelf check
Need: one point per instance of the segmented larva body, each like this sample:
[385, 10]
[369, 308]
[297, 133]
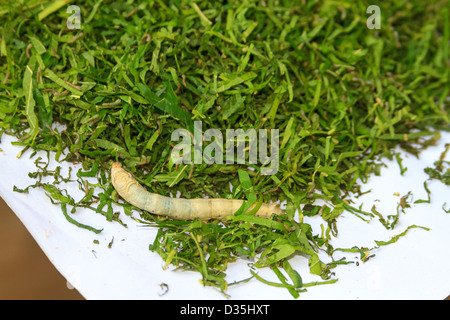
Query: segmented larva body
[178, 208]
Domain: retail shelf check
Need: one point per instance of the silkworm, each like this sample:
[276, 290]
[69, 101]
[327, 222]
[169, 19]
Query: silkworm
[178, 208]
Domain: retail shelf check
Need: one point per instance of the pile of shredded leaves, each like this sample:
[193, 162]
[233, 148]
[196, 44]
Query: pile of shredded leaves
[343, 96]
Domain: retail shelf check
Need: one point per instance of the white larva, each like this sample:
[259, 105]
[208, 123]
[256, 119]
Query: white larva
[178, 208]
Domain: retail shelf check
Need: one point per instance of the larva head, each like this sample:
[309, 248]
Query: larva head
[115, 168]
[121, 179]
[119, 174]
